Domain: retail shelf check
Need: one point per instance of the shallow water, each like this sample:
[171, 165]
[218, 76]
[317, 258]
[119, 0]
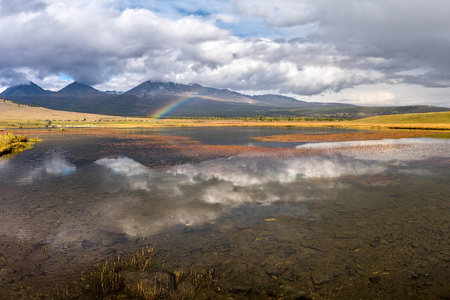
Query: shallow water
[329, 220]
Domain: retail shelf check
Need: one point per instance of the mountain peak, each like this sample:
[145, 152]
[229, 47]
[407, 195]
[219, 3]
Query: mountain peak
[77, 88]
[25, 89]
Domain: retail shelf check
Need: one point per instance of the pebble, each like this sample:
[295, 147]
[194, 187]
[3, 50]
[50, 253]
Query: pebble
[240, 290]
[321, 277]
[250, 237]
[286, 251]
[156, 283]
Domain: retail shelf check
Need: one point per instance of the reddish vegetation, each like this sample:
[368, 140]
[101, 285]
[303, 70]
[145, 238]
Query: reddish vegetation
[341, 137]
[165, 150]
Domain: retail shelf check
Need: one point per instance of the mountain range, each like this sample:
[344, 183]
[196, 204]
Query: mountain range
[159, 99]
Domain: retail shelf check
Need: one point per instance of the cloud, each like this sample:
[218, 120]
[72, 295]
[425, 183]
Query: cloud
[292, 47]
[12, 7]
[9, 77]
[278, 13]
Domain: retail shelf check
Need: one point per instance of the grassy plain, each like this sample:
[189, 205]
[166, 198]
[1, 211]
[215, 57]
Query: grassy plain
[13, 115]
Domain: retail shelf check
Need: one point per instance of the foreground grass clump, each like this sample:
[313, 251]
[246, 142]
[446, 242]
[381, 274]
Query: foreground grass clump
[139, 276]
[10, 143]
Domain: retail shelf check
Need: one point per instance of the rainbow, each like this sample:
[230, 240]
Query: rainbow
[174, 105]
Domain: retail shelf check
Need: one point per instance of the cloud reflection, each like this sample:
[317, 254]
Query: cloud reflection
[54, 165]
[405, 150]
[195, 194]
[235, 180]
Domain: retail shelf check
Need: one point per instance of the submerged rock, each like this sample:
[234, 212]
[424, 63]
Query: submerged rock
[286, 251]
[150, 283]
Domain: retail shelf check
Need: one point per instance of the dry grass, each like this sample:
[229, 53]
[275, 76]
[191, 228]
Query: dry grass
[10, 143]
[10, 111]
[111, 280]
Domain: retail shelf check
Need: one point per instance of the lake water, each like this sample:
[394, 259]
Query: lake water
[327, 220]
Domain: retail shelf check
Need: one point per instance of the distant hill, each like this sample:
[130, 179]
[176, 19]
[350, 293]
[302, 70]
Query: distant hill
[158, 99]
[10, 111]
[25, 90]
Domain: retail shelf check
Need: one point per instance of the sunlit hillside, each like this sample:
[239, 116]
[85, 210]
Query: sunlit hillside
[435, 120]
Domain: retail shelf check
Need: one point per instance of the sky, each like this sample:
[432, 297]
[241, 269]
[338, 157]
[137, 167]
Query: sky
[377, 52]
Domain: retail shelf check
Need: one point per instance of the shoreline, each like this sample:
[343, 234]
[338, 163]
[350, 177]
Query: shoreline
[164, 123]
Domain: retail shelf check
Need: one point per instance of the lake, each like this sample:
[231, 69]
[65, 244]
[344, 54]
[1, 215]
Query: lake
[355, 219]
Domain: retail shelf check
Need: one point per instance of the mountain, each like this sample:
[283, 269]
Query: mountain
[30, 89]
[76, 88]
[149, 88]
[179, 100]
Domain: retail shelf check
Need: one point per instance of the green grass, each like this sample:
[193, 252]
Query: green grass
[354, 112]
[423, 118]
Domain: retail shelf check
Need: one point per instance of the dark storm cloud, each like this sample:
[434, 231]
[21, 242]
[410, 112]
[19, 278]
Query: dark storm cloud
[391, 37]
[9, 77]
[9, 7]
[400, 35]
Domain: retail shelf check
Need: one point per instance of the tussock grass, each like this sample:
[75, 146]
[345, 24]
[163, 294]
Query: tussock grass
[120, 279]
[10, 143]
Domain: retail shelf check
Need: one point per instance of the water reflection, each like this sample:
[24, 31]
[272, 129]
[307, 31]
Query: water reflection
[245, 171]
[384, 142]
[52, 166]
[126, 197]
[324, 209]
[410, 149]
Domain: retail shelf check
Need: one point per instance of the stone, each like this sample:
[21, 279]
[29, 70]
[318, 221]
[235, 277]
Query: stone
[250, 237]
[286, 251]
[374, 279]
[152, 283]
[321, 277]
[5, 272]
[240, 290]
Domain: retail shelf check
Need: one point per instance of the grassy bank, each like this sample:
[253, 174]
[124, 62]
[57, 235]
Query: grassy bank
[10, 143]
[431, 121]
